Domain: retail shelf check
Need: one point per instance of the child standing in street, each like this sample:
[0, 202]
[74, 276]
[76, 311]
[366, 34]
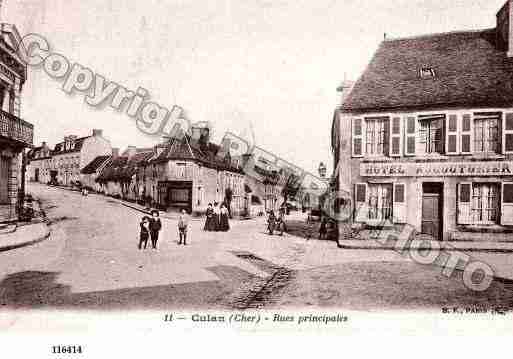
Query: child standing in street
[155, 227]
[144, 232]
[183, 223]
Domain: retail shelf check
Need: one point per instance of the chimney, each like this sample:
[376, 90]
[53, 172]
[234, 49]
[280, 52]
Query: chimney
[115, 152]
[97, 132]
[130, 151]
[504, 29]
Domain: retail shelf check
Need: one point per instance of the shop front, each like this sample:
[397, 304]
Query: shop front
[441, 200]
[175, 195]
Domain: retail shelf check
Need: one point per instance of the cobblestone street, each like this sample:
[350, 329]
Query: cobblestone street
[91, 261]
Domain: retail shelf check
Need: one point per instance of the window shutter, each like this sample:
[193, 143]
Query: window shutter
[360, 195]
[507, 204]
[395, 137]
[357, 137]
[507, 133]
[464, 203]
[411, 123]
[452, 135]
[400, 212]
[466, 134]
[386, 143]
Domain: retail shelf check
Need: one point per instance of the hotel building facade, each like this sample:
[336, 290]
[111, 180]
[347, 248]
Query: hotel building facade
[425, 137]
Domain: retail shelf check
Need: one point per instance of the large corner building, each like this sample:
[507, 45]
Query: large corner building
[15, 133]
[425, 137]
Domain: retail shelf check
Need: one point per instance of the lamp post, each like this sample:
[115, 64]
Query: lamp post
[322, 170]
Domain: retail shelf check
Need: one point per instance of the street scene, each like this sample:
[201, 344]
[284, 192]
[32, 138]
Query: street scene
[91, 261]
[376, 176]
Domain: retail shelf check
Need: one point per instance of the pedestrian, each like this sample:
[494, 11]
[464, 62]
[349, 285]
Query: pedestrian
[183, 223]
[224, 225]
[217, 215]
[155, 227]
[323, 230]
[144, 232]
[209, 222]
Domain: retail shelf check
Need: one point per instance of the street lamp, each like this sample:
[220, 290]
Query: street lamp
[322, 170]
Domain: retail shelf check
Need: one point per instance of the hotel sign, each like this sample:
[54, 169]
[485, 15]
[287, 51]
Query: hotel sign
[438, 169]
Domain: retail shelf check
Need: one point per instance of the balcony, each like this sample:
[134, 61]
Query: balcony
[16, 129]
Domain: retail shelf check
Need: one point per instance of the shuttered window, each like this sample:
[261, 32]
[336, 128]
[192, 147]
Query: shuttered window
[410, 136]
[377, 133]
[400, 209]
[431, 134]
[395, 137]
[361, 210]
[357, 137]
[507, 204]
[466, 134]
[485, 203]
[452, 135]
[464, 203]
[486, 133]
[507, 134]
[379, 202]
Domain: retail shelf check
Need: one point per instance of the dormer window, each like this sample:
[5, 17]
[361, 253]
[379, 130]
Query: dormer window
[427, 72]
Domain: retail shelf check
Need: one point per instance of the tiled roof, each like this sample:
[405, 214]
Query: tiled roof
[208, 155]
[470, 71]
[137, 150]
[122, 169]
[36, 154]
[93, 166]
[59, 148]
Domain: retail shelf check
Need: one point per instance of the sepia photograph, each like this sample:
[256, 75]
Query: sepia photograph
[255, 166]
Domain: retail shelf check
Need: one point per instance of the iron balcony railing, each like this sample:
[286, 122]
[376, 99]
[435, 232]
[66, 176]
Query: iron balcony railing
[16, 129]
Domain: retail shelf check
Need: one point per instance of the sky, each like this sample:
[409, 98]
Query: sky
[272, 66]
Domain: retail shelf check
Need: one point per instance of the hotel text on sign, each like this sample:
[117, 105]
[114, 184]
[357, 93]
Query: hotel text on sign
[428, 169]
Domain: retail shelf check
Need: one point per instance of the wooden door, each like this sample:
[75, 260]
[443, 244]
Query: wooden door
[431, 215]
[4, 179]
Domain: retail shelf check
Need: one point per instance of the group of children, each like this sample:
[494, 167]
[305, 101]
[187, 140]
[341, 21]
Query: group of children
[151, 226]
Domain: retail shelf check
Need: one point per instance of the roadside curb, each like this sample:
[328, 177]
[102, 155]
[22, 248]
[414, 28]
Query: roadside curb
[486, 247]
[24, 242]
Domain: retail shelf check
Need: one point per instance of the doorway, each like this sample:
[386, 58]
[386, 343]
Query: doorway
[5, 164]
[432, 210]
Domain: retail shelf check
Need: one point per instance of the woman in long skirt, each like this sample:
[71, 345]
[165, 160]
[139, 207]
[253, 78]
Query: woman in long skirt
[217, 214]
[210, 221]
[223, 219]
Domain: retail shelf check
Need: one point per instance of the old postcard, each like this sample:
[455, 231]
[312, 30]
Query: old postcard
[260, 166]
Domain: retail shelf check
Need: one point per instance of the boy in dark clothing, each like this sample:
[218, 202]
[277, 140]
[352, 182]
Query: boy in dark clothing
[145, 232]
[155, 227]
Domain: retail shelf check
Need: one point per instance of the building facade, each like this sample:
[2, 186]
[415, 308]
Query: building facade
[91, 172]
[15, 133]
[39, 164]
[425, 138]
[71, 155]
[119, 176]
[187, 173]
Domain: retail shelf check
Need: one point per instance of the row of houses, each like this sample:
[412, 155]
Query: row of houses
[424, 138]
[186, 172]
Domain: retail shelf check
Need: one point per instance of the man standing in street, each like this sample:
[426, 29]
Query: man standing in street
[155, 227]
[183, 223]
